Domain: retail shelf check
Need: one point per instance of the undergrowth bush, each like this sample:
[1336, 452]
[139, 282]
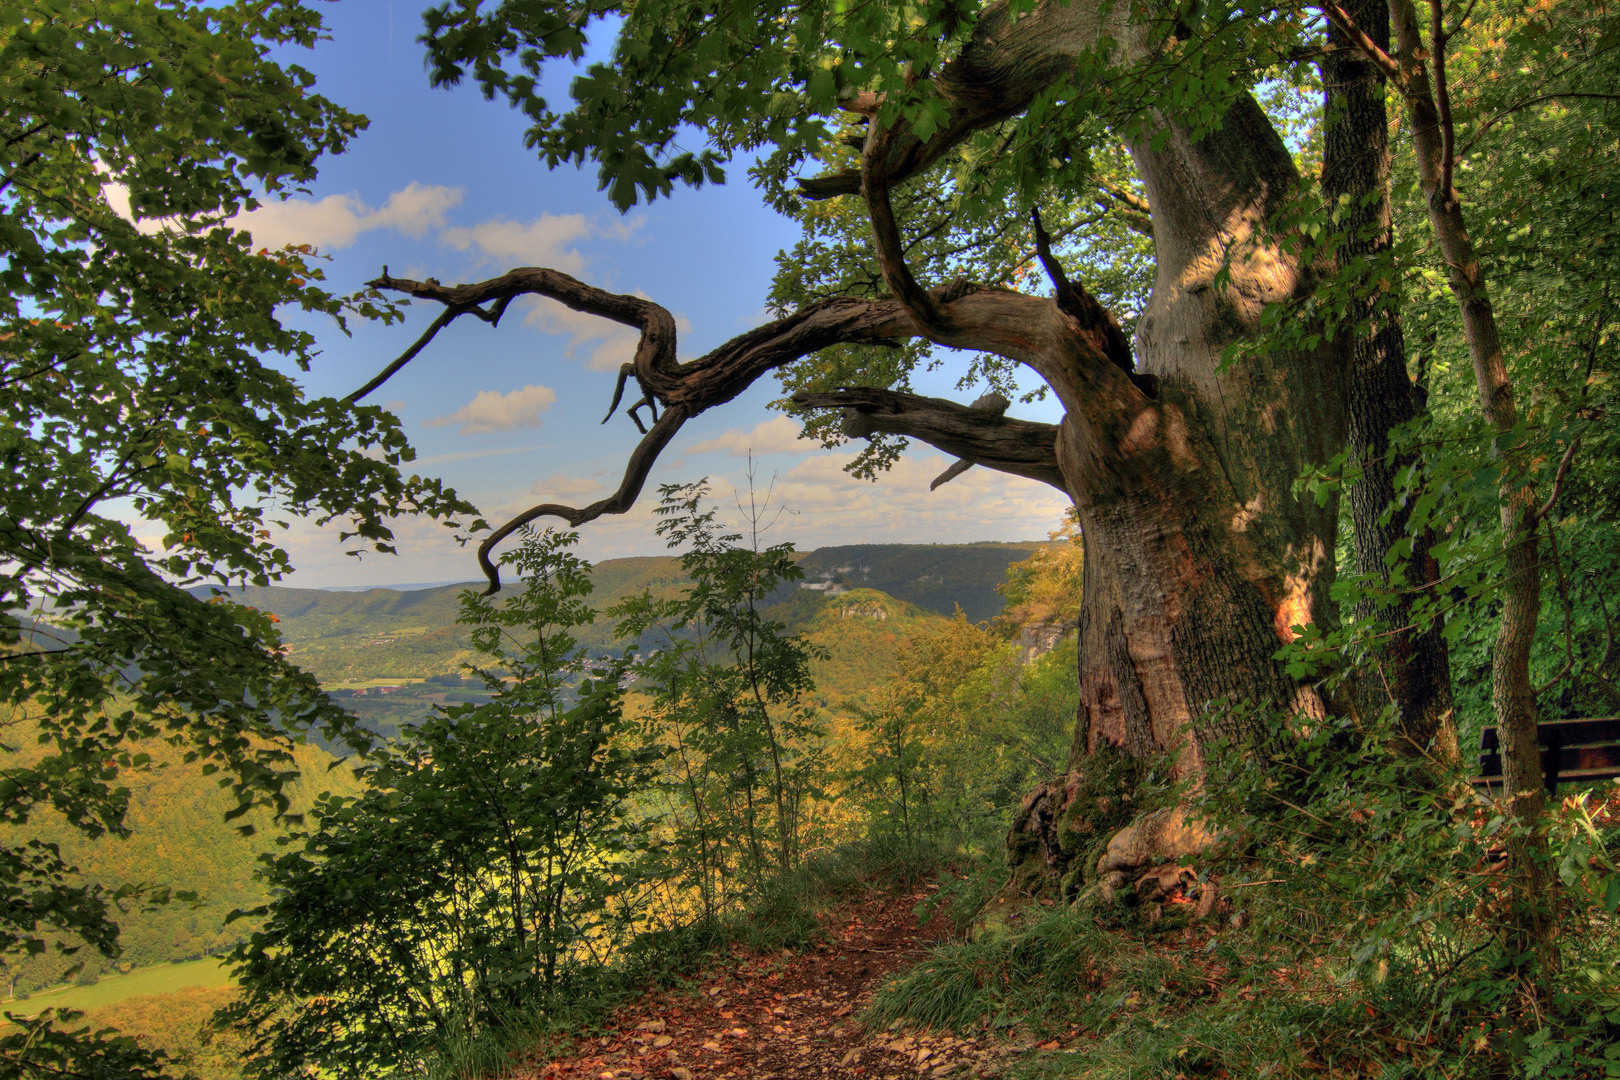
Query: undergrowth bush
[490, 864]
[1362, 933]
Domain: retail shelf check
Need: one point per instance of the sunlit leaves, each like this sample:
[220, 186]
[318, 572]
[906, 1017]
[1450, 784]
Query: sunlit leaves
[489, 861]
[730, 695]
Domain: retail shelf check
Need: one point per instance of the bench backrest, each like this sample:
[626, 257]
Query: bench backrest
[1572, 751]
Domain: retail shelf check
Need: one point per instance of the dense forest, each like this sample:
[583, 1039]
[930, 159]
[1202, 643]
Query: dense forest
[1293, 753]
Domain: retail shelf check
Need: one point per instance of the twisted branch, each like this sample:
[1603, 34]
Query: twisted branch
[1025, 328]
[636, 470]
[685, 390]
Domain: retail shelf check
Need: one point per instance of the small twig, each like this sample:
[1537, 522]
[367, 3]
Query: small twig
[625, 371]
[21, 135]
[1558, 481]
[1467, 12]
[446, 317]
[1301, 809]
[636, 471]
[21, 165]
[1479, 132]
[1608, 635]
[1569, 612]
[1597, 334]
[493, 315]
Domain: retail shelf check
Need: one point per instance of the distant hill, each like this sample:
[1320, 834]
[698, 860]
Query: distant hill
[935, 577]
[350, 638]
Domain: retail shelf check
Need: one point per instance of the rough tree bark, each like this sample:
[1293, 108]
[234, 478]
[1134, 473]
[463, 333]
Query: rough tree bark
[1200, 560]
[1412, 670]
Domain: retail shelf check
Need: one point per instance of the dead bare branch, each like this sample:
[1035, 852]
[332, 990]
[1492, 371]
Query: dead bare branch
[957, 468]
[446, 317]
[1077, 302]
[636, 471]
[962, 315]
[683, 389]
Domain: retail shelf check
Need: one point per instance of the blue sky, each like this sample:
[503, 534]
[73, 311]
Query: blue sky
[440, 185]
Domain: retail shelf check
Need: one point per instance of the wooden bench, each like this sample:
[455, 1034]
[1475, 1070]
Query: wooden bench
[1572, 752]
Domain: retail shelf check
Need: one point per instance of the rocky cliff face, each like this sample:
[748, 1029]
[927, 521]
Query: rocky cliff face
[1036, 639]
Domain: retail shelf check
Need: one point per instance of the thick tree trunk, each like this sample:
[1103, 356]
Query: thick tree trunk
[1199, 558]
[1412, 670]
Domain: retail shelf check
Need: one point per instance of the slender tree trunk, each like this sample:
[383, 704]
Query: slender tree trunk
[1412, 669]
[1511, 692]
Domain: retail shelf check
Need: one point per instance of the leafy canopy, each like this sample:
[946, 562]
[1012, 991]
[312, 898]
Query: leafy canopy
[144, 363]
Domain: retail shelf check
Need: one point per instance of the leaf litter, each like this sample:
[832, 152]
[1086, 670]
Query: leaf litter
[784, 1015]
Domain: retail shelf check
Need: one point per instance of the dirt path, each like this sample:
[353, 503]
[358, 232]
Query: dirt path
[784, 1016]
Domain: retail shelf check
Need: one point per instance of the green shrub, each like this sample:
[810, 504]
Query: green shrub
[487, 868]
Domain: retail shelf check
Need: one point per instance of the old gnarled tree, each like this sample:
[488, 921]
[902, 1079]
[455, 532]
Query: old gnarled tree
[1200, 560]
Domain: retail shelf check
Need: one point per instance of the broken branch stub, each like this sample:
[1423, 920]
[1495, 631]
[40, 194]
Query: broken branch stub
[978, 434]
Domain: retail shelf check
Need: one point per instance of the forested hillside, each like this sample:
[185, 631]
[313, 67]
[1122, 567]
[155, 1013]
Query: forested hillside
[861, 646]
[180, 842]
[345, 637]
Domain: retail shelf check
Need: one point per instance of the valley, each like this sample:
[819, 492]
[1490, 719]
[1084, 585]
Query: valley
[391, 657]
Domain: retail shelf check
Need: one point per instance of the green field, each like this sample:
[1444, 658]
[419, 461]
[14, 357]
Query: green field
[367, 684]
[208, 972]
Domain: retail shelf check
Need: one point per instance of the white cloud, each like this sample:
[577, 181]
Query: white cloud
[490, 411]
[603, 343]
[329, 223]
[337, 220]
[470, 455]
[117, 196]
[557, 486]
[833, 507]
[622, 228]
[830, 508]
[779, 435]
[542, 242]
